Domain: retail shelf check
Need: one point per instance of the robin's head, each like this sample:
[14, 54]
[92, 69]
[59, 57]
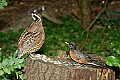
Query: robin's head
[71, 46]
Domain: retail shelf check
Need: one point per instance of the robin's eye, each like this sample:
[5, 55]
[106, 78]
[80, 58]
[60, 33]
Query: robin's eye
[70, 46]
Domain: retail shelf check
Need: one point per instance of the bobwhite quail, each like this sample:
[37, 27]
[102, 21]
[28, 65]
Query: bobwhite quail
[33, 36]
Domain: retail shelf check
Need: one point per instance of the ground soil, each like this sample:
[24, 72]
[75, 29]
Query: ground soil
[17, 8]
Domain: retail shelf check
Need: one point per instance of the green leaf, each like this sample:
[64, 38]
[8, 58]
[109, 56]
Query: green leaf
[6, 70]
[118, 51]
[113, 61]
[0, 65]
[17, 66]
[11, 68]
[20, 60]
[22, 77]
[18, 73]
[1, 7]
[1, 72]
[114, 44]
[5, 4]
[22, 64]
[5, 62]
[12, 61]
[3, 0]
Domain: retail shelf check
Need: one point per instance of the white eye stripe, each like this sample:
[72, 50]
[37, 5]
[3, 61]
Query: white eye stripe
[36, 17]
[35, 10]
[43, 8]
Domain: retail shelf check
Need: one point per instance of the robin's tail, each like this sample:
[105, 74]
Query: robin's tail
[97, 64]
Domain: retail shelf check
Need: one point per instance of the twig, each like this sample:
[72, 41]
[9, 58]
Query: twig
[85, 40]
[96, 17]
[94, 20]
[87, 29]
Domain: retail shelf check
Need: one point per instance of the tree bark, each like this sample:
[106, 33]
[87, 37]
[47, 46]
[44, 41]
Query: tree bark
[85, 12]
[40, 70]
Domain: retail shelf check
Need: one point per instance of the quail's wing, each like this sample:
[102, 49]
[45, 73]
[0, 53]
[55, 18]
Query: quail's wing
[31, 39]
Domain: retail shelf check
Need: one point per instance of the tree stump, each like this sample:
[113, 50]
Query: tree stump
[46, 68]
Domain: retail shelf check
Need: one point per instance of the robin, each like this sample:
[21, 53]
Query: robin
[79, 57]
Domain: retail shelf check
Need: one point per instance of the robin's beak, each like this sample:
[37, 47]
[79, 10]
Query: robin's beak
[67, 43]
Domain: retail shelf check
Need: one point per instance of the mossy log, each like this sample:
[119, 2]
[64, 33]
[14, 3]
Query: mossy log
[46, 70]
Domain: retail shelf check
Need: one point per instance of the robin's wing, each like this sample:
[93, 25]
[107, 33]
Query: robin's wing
[80, 55]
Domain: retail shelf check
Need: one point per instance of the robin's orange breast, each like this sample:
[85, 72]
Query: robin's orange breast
[72, 55]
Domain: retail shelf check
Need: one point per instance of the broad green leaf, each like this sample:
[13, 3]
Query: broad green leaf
[118, 51]
[22, 64]
[19, 72]
[20, 60]
[17, 66]
[12, 61]
[0, 65]
[1, 72]
[0, 52]
[22, 77]
[114, 44]
[11, 68]
[113, 61]
[5, 4]
[3, 0]
[5, 62]
[6, 70]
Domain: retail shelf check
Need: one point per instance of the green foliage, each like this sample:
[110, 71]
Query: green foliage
[113, 61]
[10, 67]
[3, 3]
[9, 40]
[99, 42]
[103, 42]
[57, 35]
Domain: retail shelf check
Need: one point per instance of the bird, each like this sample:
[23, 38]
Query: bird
[32, 37]
[79, 57]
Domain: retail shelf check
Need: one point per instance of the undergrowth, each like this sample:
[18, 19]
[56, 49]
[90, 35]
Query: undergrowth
[104, 41]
